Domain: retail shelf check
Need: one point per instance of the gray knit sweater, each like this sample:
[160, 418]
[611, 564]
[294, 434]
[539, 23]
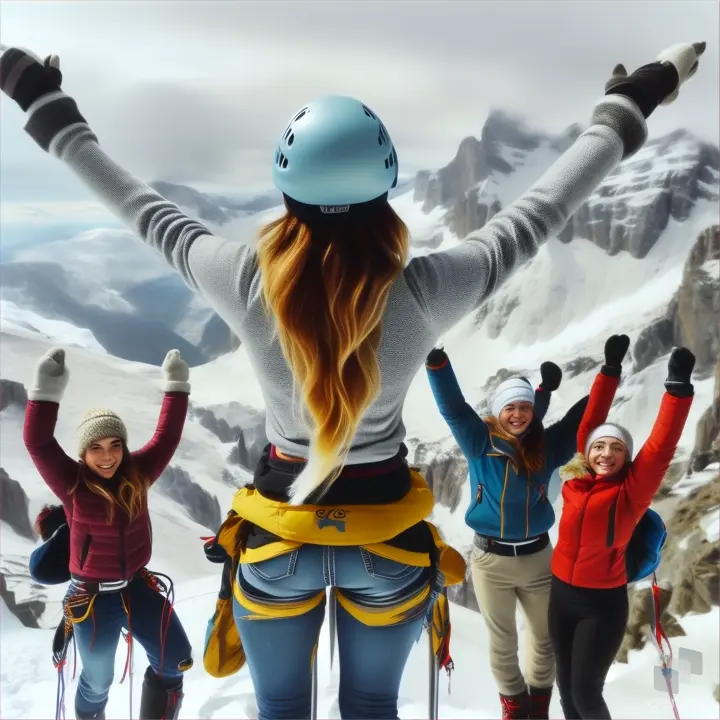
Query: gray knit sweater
[432, 294]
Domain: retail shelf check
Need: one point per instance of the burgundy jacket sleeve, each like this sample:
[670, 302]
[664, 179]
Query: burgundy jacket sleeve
[59, 471]
[155, 456]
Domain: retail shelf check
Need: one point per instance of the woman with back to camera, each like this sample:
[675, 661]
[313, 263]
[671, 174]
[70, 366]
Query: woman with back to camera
[337, 323]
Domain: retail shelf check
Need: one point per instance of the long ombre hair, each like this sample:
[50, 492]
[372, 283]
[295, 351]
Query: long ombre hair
[131, 492]
[530, 448]
[327, 285]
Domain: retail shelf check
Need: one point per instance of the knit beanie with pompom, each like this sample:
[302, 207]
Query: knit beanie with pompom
[97, 424]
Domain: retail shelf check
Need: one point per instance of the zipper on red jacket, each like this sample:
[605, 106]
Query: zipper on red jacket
[610, 537]
[579, 540]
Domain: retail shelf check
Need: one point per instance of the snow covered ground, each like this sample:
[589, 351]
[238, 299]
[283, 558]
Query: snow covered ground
[630, 691]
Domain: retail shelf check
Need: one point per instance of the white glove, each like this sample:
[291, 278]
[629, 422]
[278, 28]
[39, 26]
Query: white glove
[51, 377]
[176, 372]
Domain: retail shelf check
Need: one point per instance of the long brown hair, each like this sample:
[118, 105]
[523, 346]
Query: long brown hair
[327, 286]
[530, 448]
[130, 494]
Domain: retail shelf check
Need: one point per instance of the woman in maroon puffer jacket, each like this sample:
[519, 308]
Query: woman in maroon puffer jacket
[104, 495]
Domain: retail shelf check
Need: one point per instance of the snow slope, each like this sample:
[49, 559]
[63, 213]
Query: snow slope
[629, 691]
[19, 321]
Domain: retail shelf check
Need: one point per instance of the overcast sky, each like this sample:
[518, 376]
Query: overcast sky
[198, 92]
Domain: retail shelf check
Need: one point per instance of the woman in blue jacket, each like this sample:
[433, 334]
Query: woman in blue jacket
[511, 459]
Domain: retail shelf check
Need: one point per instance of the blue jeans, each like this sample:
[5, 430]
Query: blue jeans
[372, 659]
[97, 639]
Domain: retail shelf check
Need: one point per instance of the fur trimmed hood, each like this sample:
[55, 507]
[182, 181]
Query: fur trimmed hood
[577, 468]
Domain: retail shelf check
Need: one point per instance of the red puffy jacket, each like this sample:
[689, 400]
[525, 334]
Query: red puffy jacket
[100, 551]
[599, 515]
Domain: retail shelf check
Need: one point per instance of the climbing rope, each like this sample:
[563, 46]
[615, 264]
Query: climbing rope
[658, 636]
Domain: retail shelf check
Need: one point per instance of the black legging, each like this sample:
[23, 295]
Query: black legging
[586, 630]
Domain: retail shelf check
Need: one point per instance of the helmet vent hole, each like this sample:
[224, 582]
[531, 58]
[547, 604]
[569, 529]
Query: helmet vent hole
[387, 165]
[280, 159]
[390, 160]
[285, 162]
[291, 139]
[301, 114]
[369, 112]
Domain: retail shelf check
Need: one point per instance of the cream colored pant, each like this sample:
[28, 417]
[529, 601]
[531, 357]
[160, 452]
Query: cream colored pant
[500, 583]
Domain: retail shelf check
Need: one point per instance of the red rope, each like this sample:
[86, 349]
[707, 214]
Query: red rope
[129, 641]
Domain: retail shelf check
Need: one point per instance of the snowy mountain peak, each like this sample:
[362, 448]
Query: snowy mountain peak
[628, 211]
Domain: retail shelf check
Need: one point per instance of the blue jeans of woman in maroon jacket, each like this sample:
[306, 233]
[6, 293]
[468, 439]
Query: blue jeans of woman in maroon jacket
[159, 633]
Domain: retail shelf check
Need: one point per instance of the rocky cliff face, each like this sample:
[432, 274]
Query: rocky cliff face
[246, 429]
[693, 316]
[199, 504]
[707, 438]
[628, 211]
[14, 506]
[12, 394]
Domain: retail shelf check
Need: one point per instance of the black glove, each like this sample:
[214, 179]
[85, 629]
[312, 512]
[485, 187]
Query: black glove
[436, 358]
[551, 376]
[25, 79]
[615, 348]
[659, 82]
[680, 367]
[35, 79]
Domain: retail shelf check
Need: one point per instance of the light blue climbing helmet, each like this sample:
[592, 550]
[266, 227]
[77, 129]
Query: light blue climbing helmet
[335, 153]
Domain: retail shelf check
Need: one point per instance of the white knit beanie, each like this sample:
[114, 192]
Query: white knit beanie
[516, 389]
[97, 424]
[611, 430]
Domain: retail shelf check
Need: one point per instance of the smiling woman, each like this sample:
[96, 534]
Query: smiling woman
[107, 540]
[511, 459]
[606, 496]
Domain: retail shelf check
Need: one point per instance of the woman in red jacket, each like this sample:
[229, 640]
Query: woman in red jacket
[104, 496]
[605, 494]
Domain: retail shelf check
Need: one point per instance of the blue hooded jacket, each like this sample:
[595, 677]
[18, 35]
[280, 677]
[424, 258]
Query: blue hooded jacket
[508, 503]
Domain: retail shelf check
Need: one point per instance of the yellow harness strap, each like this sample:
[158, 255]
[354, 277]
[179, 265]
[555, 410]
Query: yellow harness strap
[338, 526]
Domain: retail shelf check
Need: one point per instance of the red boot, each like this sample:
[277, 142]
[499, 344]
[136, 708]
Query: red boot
[539, 703]
[515, 707]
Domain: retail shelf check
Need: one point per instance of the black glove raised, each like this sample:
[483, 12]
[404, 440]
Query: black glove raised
[680, 367]
[659, 82]
[25, 79]
[615, 348]
[436, 358]
[551, 376]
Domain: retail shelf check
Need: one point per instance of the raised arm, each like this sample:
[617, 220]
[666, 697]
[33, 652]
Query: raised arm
[652, 462]
[551, 377]
[154, 457]
[221, 270]
[453, 283]
[602, 392]
[561, 437]
[55, 467]
[467, 427]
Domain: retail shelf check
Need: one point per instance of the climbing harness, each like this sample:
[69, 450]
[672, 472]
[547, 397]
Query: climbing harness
[657, 635]
[84, 602]
[60, 646]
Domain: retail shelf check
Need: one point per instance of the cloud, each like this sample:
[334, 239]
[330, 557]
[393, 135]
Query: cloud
[200, 91]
